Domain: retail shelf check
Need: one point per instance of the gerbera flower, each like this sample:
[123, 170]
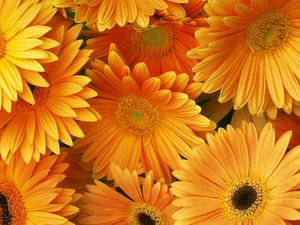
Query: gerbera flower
[162, 46]
[29, 192]
[107, 13]
[250, 53]
[30, 128]
[149, 204]
[143, 117]
[23, 49]
[285, 122]
[239, 177]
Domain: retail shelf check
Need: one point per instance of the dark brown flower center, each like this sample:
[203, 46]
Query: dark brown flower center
[145, 219]
[244, 197]
[5, 216]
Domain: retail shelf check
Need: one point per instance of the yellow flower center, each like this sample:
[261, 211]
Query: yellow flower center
[137, 116]
[40, 95]
[12, 208]
[269, 31]
[2, 45]
[154, 41]
[244, 200]
[141, 213]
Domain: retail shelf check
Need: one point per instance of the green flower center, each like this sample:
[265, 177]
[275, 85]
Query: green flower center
[269, 31]
[137, 116]
[154, 41]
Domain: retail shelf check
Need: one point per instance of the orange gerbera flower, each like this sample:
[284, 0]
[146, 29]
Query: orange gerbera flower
[29, 192]
[285, 122]
[107, 13]
[149, 204]
[30, 128]
[162, 45]
[250, 53]
[239, 177]
[23, 48]
[145, 118]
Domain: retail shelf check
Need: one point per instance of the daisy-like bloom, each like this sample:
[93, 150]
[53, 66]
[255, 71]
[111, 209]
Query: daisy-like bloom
[250, 53]
[145, 118]
[53, 118]
[29, 193]
[107, 13]
[147, 203]
[23, 48]
[162, 46]
[285, 122]
[239, 177]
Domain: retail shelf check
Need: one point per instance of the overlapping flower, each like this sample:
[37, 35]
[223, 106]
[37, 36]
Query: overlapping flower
[149, 112]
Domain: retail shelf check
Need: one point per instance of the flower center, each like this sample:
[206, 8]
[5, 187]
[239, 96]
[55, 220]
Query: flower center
[154, 41]
[40, 95]
[268, 31]
[141, 213]
[137, 116]
[12, 208]
[2, 45]
[244, 200]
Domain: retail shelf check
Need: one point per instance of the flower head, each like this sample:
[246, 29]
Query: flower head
[23, 48]
[147, 202]
[30, 192]
[57, 108]
[162, 45]
[249, 52]
[105, 14]
[145, 118]
[239, 177]
[285, 122]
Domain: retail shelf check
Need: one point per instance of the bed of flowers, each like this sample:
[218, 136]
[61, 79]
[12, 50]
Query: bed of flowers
[149, 112]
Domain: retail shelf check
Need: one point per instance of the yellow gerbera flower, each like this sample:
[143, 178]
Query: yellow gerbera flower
[107, 13]
[143, 117]
[250, 53]
[29, 193]
[149, 204]
[23, 48]
[30, 128]
[162, 46]
[239, 177]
